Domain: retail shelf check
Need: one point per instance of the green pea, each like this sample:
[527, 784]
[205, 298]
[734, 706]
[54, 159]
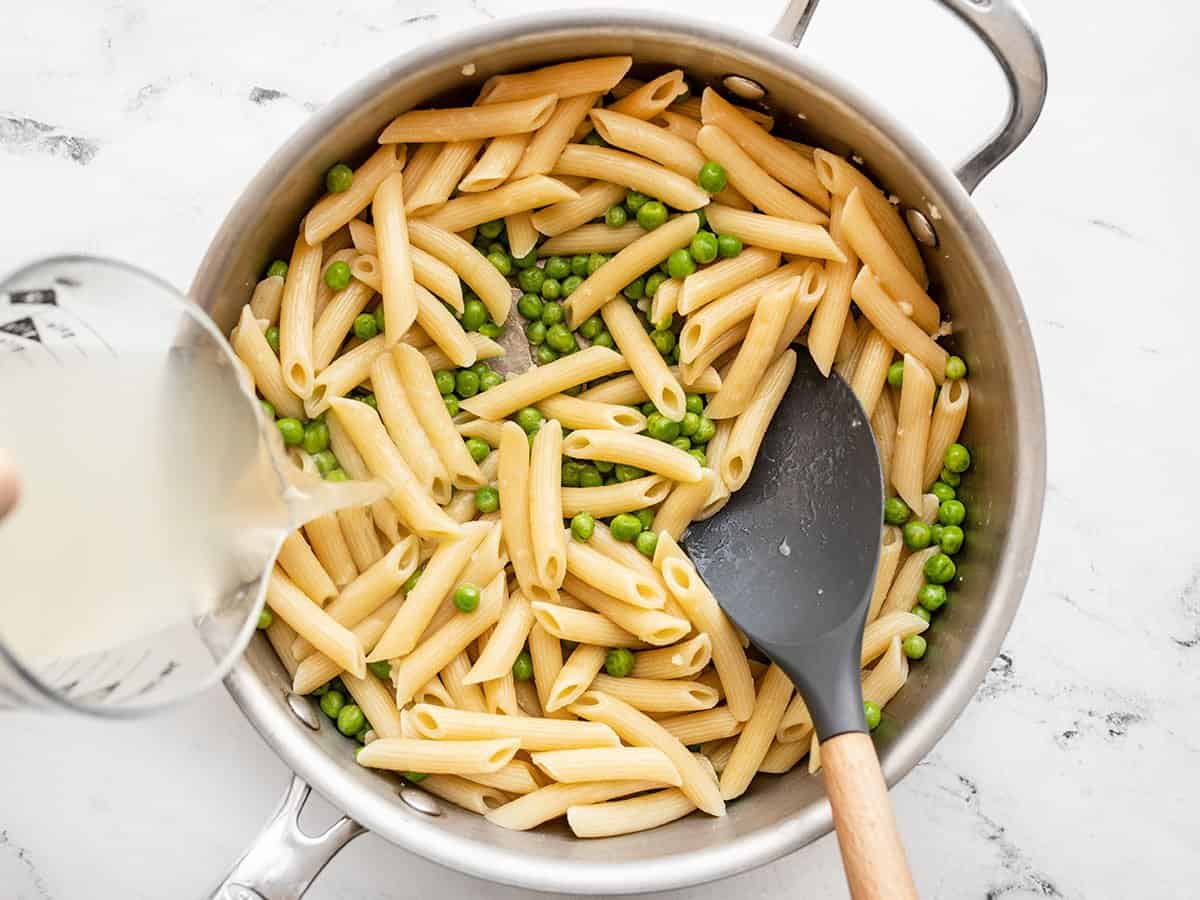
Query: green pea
[582, 526]
[544, 355]
[277, 269]
[917, 535]
[273, 338]
[489, 380]
[712, 177]
[466, 598]
[265, 619]
[569, 285]
[481, 243]
[895, 511]
[625, 473]
[616, 216]
[551, 289]
[694, 404]
[595, 139]
[350, 720]
[603, 466]
[381, 668]
[478, 448]
[635, 290]
[531, 280]
[939, 569]
[522, 667]
[337, 475]
[326, 461]
[337, 276]
[645, 516]
[595, 262]
[651, 215]
[570, 473]
[332, 703]
[952, 512]
[873, 714]
[942, 491]
[444, 379]
[590, 476]
[682, 443]
[414, 777]
[604, 339]
[557, 268]
[702, 216]
[573, 391]
[530, 419]
[320, 691]
[268, 410]
[536, 332]
[618, 663]
[664, 341]
[411, 581]
[292, 431]
[491, 230]
[951, 540]
[922, 613]
[699, 455]
[957, 458]
[661, 428]
[451, 404]
[690, 424]
[951, 478]
[680, 264]
[646, 542]
[491, 330]
[705, 432]
[528, 261]
[474, 314]
[914, 646]
[635, 201]
[365, 327]
[728, 246]
[370, 400]
[652, 282]
[552, 313]
[665, 323]
[579, 265]
[895, 373]
[704, 247]
[487, 499]
[591, 327]
[379, 318]
[931, 597]
[956, 368]
[339, 178]
[625, 527]
[559, 338]
[481, 368]
[466, 384]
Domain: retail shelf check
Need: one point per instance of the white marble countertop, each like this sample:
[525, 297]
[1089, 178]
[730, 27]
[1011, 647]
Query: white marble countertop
[128, 128]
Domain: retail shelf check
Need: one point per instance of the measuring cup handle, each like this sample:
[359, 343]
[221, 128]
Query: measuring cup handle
[282, 861]
[1005, 29]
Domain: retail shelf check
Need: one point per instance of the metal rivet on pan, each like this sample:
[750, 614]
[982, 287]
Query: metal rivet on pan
[419, 800]
[746, 88]
[304, 709]
[920, 228]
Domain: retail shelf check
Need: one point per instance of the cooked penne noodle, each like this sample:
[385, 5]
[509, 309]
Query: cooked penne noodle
[700, 606]
[463, 695]
[297, 314]
[883, 425]
[701, 727]
[720, 278]
[756, 353]
[397, 282]
[554, 800]
[581, 627]
[783, 757]
[419, 164]
[552, 137]
[640, 730]
[693, 108]
[902, 593]
[684, 126]
[545, 507]
[627, 390]
[405, 429]
[645, 252]
[351, 461]
[575, 676]
[569, 79]
[515, 197]
[496, 164]
[607, 764]
[500, 695]
[796, 724]
[484, 347]
[518, 777]
[486, 120]
[912, 432]
[575, 412]
[266, 299]
[592, 201]
[596, 238]
[750, 427]
[413, 503]
[753, 182]
[329, 544]
[778, 158]
[590, 566]
[522, 236]
[949, 413]
[433, 691]
[829, 320]
[888, 676]
[545, 651]
[445, 330]
[536, 384]
[250, 344]
[901, 331]
[870, 372]
[335, 210]
[440, 724]
[376, 702]
[316, 669]
[439, 577]
[647, 363]
[890, 547]
[308, 620]
[679, 661]
[505, 643]
[437, 650]
[654, 626]
[461, 791]
[658, 695]
[614, 499]
[513, 477]
[775, 232]
[648, 100]
[634, 172]
[879, 633]
[324, 291]
[447, 170]
[665, 302]
[873, 249]
[715, 451]
[683, 504]
[527, 699]
[472, 267]
[755, 740]
[633, 450]
[428, 270]
[841, 178]
[344, 374]
[484, 429]
[337, 319]
[442, 757]
[281, 635]
[714, 350]
[301, 565]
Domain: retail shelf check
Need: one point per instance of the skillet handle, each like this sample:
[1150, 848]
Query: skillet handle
[283, 860]
[872, 855]
[1004, 27]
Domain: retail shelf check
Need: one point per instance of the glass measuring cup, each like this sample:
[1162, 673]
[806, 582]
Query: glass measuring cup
[154, 492]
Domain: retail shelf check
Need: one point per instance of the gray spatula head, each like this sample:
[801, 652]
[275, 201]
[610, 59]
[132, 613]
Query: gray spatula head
[792, 556]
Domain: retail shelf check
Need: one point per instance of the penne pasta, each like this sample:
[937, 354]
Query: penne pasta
[569, 79]
[281, 635]
[676, 123]
[545, 652]
[750, 427]
[829, 320]
[581, 627]
[701, 727]
[890, 547]
[628, 391]
[337, 319]
[522, 236]
[870, 371]
[648, 365]
[472, 267]
[912, 432]
[679, 661]
[375, 701]
[440, 724]
[801, 238]
[515, 197]
[462, 695]
[444, 757]
[879, 633]
[592, 239]
[405, 429]
[397, 283]
[756, 736]
[513, 477]
[614, 499]
[545, 507]
[301, 565]
[316, 669]
[486, 120]
[575, 676]
[250, 344]
[633, 172]
[720, 278]
[329, 544]
[575, 412]
[461, 791]
[518, 777]
[553, 801]
[496, 164]
[267, 298]
[683, 504]
[752, 181]
[658, 695]
[563, 217]
[607, 764]
[297, 314]
[335, 210]
[901, 332]
[552, 137]
[505, 643]
[308, 620]
[902, 593]
[949, 413]
[536, 384]
[653, 626]
[633, 450]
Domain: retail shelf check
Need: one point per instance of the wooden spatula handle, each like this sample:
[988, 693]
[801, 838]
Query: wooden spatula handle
[876, 868]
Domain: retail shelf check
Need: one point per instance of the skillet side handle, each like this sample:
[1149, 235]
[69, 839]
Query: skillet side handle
[872, 855]
[283, 861]
[1005, 29]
